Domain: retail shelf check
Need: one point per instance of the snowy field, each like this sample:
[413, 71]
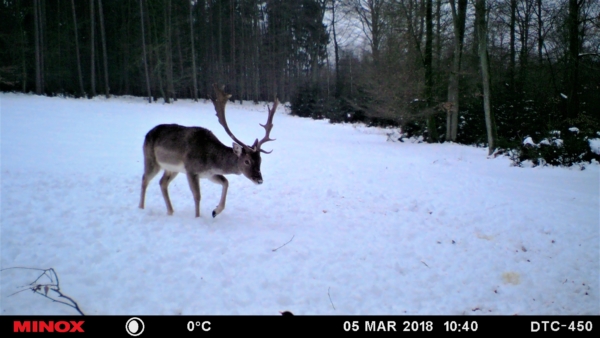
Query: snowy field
[344, 223]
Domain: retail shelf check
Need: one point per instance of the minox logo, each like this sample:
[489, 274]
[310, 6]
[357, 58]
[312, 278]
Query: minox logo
[47, 326]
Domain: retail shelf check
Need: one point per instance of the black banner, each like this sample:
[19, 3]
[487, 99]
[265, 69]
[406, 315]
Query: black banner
[194, 326]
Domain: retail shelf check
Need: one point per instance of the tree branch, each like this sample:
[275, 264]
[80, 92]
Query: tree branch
[54, 285]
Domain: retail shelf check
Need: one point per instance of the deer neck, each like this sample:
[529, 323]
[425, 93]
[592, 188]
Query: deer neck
[231, 164]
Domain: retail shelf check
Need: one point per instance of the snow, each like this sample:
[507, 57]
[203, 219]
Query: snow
[563, 96]
[545, 141]
[529, 141]
[343, 219]
[394, 135]
[574, 130]
[595, 145]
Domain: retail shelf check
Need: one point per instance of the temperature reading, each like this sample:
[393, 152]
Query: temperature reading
[205, 326]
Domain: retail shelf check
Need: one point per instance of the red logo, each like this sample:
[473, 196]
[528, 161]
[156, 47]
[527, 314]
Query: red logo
[47, 326]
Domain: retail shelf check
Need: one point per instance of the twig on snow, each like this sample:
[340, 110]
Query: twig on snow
[43, 289]
[284, 244]
[330, 297]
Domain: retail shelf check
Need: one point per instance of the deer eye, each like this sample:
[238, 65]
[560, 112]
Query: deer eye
[247, 162]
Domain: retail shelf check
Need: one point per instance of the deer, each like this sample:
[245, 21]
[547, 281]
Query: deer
[198, 153]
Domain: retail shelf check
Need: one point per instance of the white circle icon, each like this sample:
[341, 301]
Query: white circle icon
[134, 326]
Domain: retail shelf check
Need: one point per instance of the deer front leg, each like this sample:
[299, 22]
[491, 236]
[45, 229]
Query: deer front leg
[194, 182]
[164, 185]
[220, 179]
[151, 168]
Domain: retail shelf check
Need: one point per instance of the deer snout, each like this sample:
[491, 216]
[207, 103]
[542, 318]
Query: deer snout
[257, 178]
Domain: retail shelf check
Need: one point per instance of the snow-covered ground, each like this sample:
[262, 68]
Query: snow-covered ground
[372, 227]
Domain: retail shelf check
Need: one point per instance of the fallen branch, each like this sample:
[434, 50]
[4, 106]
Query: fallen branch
[43, 289]
[284, 244]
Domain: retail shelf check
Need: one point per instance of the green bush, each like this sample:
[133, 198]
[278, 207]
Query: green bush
[565, 147]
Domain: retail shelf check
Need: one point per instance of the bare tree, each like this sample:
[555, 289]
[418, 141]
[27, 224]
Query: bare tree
[490, 124]
[540, 30]
[370, 13]
[458, 20]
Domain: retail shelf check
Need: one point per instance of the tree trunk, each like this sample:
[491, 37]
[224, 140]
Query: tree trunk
[157, 61]
[144, 53]
[38, 67]
[58, 66]
[524, 24]
[458, 19]
[180, 55]
[232, 49]
[573, 60]
[42, 19]
[369, 12]
[106, 86]
[243, 61]
[431, 127]
[220, 42]
[80, 76]
[93, 55]
[338, 79]
[512, 61]
[438, 40]
[490, 123]
[127, 49]
[256, 52]
[22, 34]
[540, 31]
[169, 54]
[194, 75]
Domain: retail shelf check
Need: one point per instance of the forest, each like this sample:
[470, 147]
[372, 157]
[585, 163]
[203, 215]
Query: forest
[521, 77]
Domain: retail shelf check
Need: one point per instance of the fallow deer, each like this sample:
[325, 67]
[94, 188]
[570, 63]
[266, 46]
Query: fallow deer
[198, 153]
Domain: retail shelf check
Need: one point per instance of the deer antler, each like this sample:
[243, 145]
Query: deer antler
[268, 126]
[219, 104]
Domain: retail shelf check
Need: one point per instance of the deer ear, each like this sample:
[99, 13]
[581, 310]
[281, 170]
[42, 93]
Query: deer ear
[237, 149]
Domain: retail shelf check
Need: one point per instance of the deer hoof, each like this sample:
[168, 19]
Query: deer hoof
[214, 214]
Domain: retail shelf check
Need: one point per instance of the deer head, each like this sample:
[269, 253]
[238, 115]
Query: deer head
[248, 157]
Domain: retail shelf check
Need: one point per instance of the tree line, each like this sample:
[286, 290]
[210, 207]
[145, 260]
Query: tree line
[161, 48]
[470, 71]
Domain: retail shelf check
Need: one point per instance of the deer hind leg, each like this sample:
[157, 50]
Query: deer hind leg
[168, 176]
[151, 168]
[194, 182]
[220, 179]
